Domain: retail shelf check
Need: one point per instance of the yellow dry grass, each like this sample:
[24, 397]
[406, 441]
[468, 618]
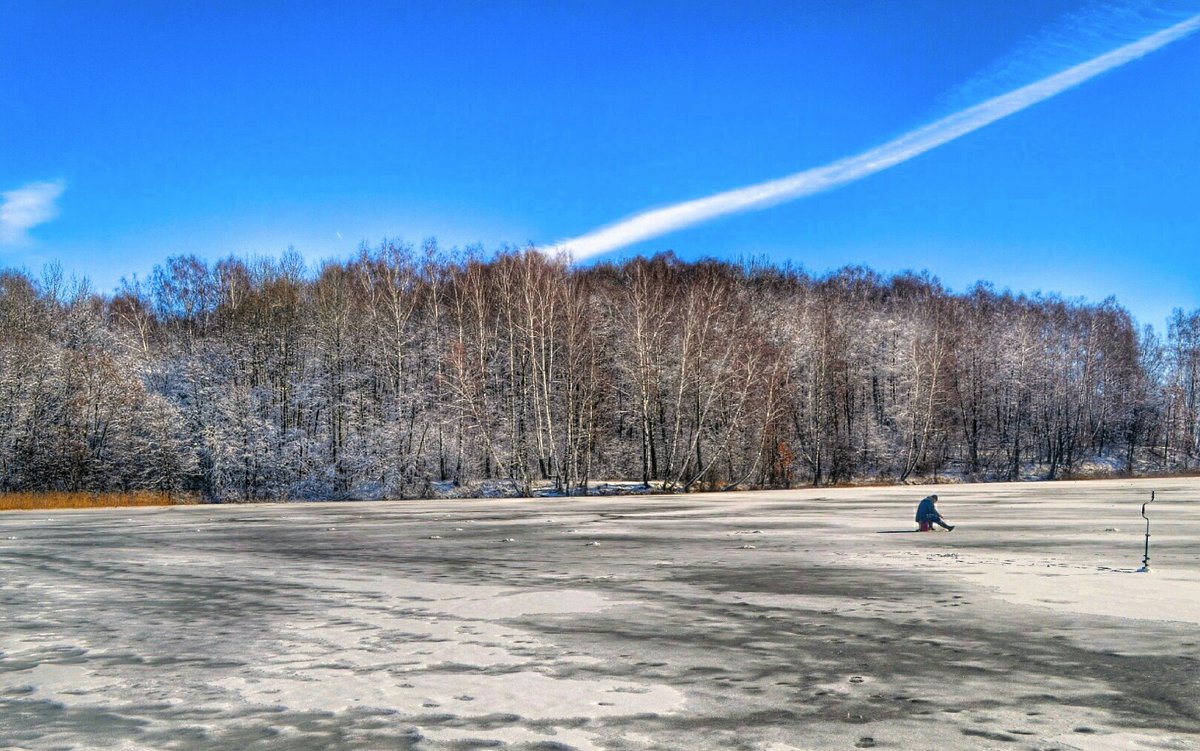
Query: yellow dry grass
[36, 501]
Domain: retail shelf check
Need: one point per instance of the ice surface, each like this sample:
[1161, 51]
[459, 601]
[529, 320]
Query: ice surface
[808, 619]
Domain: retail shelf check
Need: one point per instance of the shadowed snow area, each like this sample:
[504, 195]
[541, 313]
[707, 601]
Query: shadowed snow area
[773, 620]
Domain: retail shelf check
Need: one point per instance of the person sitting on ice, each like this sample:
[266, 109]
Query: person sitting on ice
[928, 515]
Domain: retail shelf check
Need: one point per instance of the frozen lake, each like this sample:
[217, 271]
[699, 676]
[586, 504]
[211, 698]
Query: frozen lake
[773, 620]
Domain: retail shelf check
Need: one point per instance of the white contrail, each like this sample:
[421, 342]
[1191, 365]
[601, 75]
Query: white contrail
[660, 221]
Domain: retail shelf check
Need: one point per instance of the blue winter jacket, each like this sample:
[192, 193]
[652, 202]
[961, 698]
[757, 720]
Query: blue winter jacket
[927, 511]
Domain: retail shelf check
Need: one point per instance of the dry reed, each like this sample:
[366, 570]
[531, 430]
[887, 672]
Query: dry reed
[56, 500]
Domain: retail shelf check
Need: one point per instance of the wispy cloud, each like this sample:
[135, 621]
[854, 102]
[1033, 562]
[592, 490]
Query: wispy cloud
[26, 207]
[660, 221]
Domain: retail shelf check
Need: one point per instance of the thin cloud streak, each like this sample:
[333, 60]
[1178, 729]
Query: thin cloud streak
[656, 222]
[26, 207]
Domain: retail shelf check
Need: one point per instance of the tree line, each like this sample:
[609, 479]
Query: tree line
[408, 372]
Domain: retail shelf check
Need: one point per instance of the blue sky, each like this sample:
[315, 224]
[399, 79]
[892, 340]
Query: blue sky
[243, 128]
